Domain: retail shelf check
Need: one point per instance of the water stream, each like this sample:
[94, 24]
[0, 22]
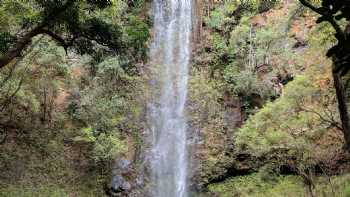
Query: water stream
[170, 55]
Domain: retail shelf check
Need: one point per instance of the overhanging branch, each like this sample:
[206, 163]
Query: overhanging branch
[326, 16]
[26, 39]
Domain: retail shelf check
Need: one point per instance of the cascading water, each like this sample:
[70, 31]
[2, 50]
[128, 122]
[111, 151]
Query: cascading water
[170, 54]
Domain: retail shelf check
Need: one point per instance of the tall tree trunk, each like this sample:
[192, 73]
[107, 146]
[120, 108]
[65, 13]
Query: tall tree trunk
[342, 107]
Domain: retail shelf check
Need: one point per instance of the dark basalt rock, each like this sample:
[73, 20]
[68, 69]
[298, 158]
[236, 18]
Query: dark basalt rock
[123, 176]
[117, 184]
[123, 165]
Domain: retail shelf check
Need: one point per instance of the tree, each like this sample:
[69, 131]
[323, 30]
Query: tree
[333, 11]
[71, 23]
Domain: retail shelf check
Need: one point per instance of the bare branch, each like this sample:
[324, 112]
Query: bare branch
[331, 121]
[312, 7]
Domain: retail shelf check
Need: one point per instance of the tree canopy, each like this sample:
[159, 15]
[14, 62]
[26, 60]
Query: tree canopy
[71, 23]
[335, 12]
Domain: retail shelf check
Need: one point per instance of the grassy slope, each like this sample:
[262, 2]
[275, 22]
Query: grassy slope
[281, 186]
[47, 191]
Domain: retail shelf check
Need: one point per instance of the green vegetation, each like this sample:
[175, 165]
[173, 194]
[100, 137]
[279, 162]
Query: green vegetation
[266, 107]
[273, 66]
[252, 59]
[255, 185]
[70, 95]
[44, 191]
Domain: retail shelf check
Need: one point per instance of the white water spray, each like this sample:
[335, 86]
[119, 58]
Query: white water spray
[171, 52]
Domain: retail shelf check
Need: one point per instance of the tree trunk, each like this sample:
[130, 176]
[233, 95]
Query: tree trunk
[342, 107]
[26, 39]
[21, 44]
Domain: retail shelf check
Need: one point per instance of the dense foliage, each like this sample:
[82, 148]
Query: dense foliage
[263, 98]
[273, 64]
[82, 25]
[69, 96]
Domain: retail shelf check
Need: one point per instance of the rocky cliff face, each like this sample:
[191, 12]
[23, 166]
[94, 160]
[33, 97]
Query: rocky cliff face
[214, 117]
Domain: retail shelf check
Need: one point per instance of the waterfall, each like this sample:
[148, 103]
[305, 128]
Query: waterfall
[170, 54]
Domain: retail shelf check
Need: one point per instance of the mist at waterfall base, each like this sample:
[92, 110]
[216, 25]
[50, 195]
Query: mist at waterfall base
[170, 52]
